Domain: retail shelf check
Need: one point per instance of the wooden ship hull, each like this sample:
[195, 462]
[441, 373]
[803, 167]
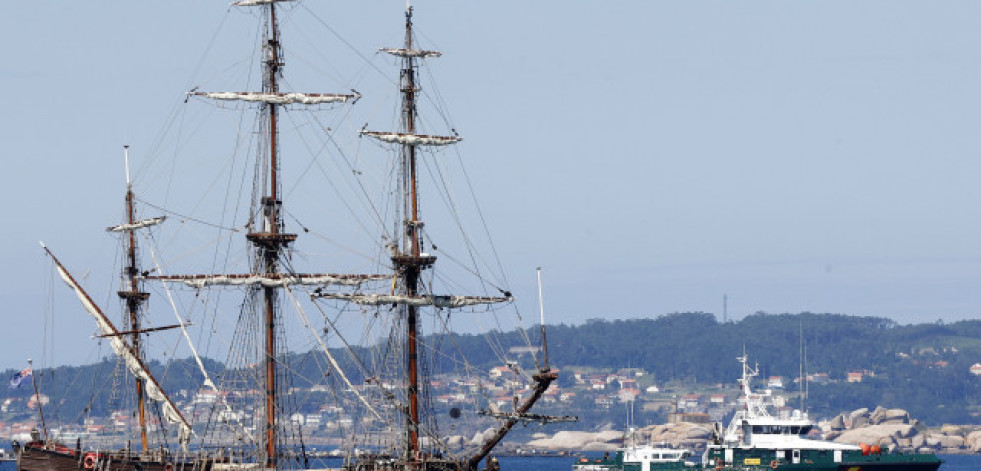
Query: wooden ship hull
[36, 456]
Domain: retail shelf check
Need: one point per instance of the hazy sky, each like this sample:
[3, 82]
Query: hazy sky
[653, 156]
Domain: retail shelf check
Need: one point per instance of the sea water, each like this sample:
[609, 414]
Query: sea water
[951, 463]
[564, 463]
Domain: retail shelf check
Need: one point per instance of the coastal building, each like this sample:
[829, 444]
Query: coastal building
[628, 383]
[819, 378]
[690, 402]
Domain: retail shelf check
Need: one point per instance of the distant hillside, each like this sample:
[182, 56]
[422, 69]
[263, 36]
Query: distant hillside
[923, 368]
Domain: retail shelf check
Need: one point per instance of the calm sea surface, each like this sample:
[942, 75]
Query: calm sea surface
[951, 463]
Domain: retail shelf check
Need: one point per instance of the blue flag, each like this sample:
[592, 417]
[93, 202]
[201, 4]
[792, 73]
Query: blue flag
[20, 376]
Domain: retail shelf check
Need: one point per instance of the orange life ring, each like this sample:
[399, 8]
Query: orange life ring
[774, 464]
[89, 461]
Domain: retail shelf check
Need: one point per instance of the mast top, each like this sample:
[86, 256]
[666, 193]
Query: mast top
[126, 156]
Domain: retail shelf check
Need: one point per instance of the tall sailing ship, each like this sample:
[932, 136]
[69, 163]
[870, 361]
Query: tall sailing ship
[380, 377]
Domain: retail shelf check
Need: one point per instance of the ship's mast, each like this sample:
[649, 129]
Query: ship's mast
[268, 240]
[410, 262]
[410, 259]
[133, 297]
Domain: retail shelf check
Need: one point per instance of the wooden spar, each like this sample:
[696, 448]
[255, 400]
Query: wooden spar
[142, 331]
[134, 298]
[543, 379]
[297, 278]
[37, 395]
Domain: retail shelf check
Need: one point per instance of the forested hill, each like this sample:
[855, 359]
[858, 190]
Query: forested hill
[697, 347]
[923, 368]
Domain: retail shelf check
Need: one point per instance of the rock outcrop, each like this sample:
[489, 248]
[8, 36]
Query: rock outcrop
[582, 441]
[892, 429]
[895, 430]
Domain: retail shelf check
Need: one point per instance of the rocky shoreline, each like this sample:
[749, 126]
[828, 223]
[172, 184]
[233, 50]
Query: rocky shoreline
[891, 429]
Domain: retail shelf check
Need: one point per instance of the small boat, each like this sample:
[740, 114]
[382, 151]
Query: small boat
[638, 457]
[755, 439]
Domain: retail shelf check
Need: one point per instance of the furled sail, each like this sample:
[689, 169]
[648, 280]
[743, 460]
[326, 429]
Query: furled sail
[427, 300]
[269, 281]
[137, 225]
[412, 139]
[410, 52]
[252, 3]
[279, 98]
[124, 351]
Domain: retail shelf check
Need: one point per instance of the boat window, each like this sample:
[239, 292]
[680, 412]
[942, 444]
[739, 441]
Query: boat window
[805, 429]
[777, 429]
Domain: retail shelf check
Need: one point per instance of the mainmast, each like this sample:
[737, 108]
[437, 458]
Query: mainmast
[268, 240]
[267, 236]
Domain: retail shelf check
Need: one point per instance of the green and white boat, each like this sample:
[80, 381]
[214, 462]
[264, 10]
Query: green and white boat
[637, 457]
[755, 439]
